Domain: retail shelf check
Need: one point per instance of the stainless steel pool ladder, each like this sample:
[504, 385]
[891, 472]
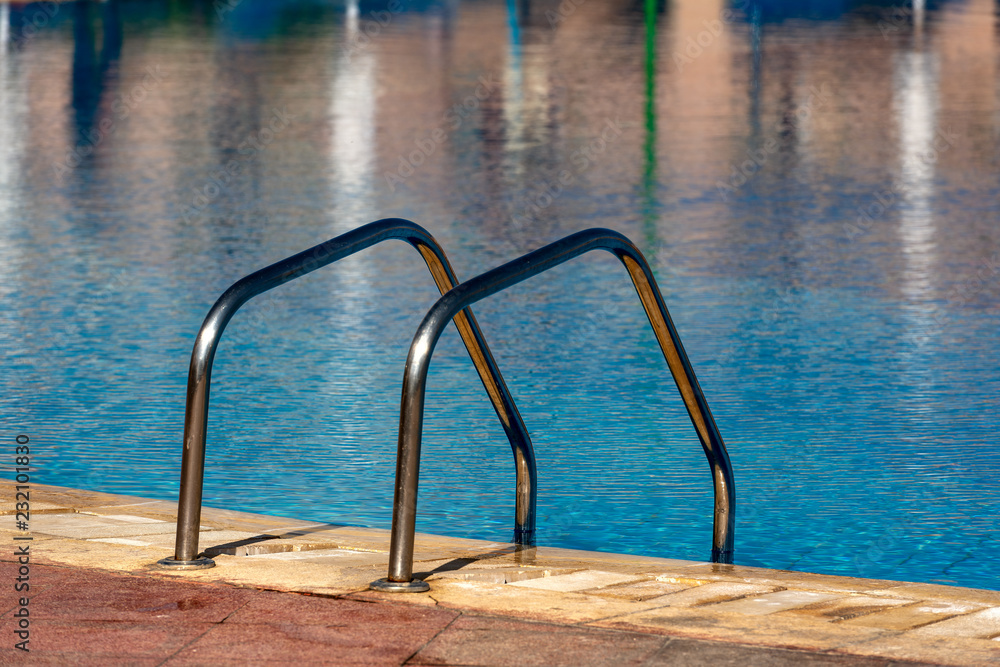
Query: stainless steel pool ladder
[404, 515]
[200, 373]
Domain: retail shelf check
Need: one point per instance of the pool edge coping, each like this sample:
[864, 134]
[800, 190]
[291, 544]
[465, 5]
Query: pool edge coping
[812, 612]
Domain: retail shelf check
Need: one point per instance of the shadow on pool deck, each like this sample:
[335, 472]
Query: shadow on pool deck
[301, 596]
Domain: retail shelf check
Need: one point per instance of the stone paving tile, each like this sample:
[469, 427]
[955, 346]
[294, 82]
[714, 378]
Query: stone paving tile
[160, 509]
[715, 592]
[259, 544]
[9, 507]
[62, 551]
[637, 569]
[759, 605]
[941, 593]
[289, 529]
[497, 642]
[257, 522]
[110, 641]
[281, 608]
[97, 596]
[415, 599]
[303, 576]
[219, 662]
[639, 591]
[127, 518]
[335, 557]
[983, 624]
[496, 575]
[82, 526]
[14, 657]
[935, 650]
[520, 602]
[469, 562]
[123, 541]
[507, 555]
[576, 581]
[216, 542]
[246, 522]
[40, 578]
[345, 633]
[792, 579]
[913, 615]
[477, 568]
[119, 529]
[429, 555]
[220, 540]
[694, 653]
[484, 561]
[845, 608]
[80, 499]
[703, 623]
[593, 557]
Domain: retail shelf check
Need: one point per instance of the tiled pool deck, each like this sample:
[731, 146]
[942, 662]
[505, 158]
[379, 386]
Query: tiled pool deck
[290, 591]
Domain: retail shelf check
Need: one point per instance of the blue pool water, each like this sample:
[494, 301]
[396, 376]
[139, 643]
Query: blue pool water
[817, 191]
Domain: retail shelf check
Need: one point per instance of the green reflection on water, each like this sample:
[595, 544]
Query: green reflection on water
[649, 145]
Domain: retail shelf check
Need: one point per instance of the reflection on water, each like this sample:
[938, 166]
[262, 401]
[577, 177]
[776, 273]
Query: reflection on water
[815, 183]
[353, 111]
[917, 95]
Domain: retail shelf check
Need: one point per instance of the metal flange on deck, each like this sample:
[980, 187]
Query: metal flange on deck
[411, 586]
[196, 564]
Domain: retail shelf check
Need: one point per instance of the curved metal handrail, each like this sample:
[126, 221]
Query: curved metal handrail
[400, 577]
[199, 374]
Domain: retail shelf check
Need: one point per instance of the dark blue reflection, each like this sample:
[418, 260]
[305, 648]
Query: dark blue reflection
[263, 19]
[94, 68]
[775, 11]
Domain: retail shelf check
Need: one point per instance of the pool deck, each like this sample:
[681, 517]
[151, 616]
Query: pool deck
[297, 591]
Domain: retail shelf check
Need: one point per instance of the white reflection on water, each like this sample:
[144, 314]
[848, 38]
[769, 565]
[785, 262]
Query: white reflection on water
[513, 101]
[916, 98]
[353, 148]
[918, 14]
[13, 91]
[12, 88]
[4, 29]
[352, 156]
[352, 110]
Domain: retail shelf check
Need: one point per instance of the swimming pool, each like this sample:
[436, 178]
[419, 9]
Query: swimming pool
[817, 194]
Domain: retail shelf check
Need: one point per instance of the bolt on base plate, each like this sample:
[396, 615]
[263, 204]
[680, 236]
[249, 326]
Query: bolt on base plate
[413, 586]
[196, 564]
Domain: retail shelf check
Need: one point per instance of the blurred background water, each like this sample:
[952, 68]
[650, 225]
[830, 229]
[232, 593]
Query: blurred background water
[815, 183]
